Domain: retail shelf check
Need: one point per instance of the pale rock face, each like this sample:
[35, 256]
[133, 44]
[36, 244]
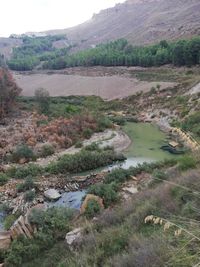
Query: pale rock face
[5, 240]
[73, 236]
[52, 194]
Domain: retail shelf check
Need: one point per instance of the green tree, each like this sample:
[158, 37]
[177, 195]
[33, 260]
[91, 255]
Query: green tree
[42, 97]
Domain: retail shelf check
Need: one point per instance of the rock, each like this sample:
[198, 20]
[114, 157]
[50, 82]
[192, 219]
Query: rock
[91, 197]
[52, 194]
[131, 190]
[73, 236]
[5, 240]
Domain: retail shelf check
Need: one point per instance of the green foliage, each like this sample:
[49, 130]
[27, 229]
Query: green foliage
[120, 53]
[192, 123]
[24, 171]
[92, 208]
[108, 192]
[53, 224]
[78, 144]
[33, 51]
[42, 97]
[29, 196]
[46, 150]
[117, 176]
[82, 161]
[187, 162]
[9, 220]
[103, 123]
[3, 179]
[87, 133]
[22, 152]
[27, 185]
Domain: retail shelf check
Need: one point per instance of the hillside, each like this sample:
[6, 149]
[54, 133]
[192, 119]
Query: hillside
[139, 21]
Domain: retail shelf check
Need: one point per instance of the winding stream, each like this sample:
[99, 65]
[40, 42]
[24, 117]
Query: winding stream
[145, 147]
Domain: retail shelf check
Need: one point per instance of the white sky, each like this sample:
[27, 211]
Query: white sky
[19, 16]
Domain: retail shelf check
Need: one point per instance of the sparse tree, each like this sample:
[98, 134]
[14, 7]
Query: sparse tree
[8, 92]
[42, 97]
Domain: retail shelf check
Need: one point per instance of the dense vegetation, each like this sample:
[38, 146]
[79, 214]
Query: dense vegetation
[121, 53]
[118, 53]
[35, 50]
[119, 236]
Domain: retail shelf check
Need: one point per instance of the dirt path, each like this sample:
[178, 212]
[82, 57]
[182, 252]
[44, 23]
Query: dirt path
[118, 139]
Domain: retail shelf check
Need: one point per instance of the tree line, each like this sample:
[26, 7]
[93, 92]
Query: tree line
[121, 53]
[39, 51]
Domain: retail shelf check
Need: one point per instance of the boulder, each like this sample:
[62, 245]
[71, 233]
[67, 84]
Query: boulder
[131, 190]
[91, 197]
[52, 194]
[73, 236]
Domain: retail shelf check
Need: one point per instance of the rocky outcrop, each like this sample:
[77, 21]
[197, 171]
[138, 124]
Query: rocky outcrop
[52, 194]
[22, 227]
[5, 240]
[73, 236]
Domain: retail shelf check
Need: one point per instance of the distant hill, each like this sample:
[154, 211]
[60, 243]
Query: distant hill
[139, 21]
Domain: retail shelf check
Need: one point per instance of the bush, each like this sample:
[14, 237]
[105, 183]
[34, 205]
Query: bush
[78, 144]
[3, 179]
[92, 208]
[47, 150]
[103, 123]
[187, 162]
[117, 176]
[29, 196]
[9, 220]
[87, 133]
[27, 185]
[23, 172]
[22, 152]
[108, 192]
[42, 97]
[82, 161]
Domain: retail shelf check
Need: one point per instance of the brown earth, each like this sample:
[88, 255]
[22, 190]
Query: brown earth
[104, 82]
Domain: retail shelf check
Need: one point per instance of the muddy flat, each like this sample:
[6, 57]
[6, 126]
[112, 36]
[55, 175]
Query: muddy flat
[64, 84]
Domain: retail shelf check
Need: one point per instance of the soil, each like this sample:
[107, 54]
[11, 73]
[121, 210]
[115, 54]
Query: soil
[101, 81]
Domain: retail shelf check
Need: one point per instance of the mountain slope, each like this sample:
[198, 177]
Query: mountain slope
[139, 21]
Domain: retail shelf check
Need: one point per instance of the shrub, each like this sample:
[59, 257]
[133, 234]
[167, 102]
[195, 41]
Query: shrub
[92, 208]
[103, 123]
[47, 150]
[117, 176]
[23, 172]
[87, 133]
[82, 161]
[3, 179]
[42, 97]
[94, 146]
[22, 152]
[29, 195]
[187, 162]
[9, 220]
[27, 185]
[78, 144]
[108, 192]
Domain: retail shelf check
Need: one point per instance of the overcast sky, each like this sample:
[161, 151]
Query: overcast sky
[19, 16]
